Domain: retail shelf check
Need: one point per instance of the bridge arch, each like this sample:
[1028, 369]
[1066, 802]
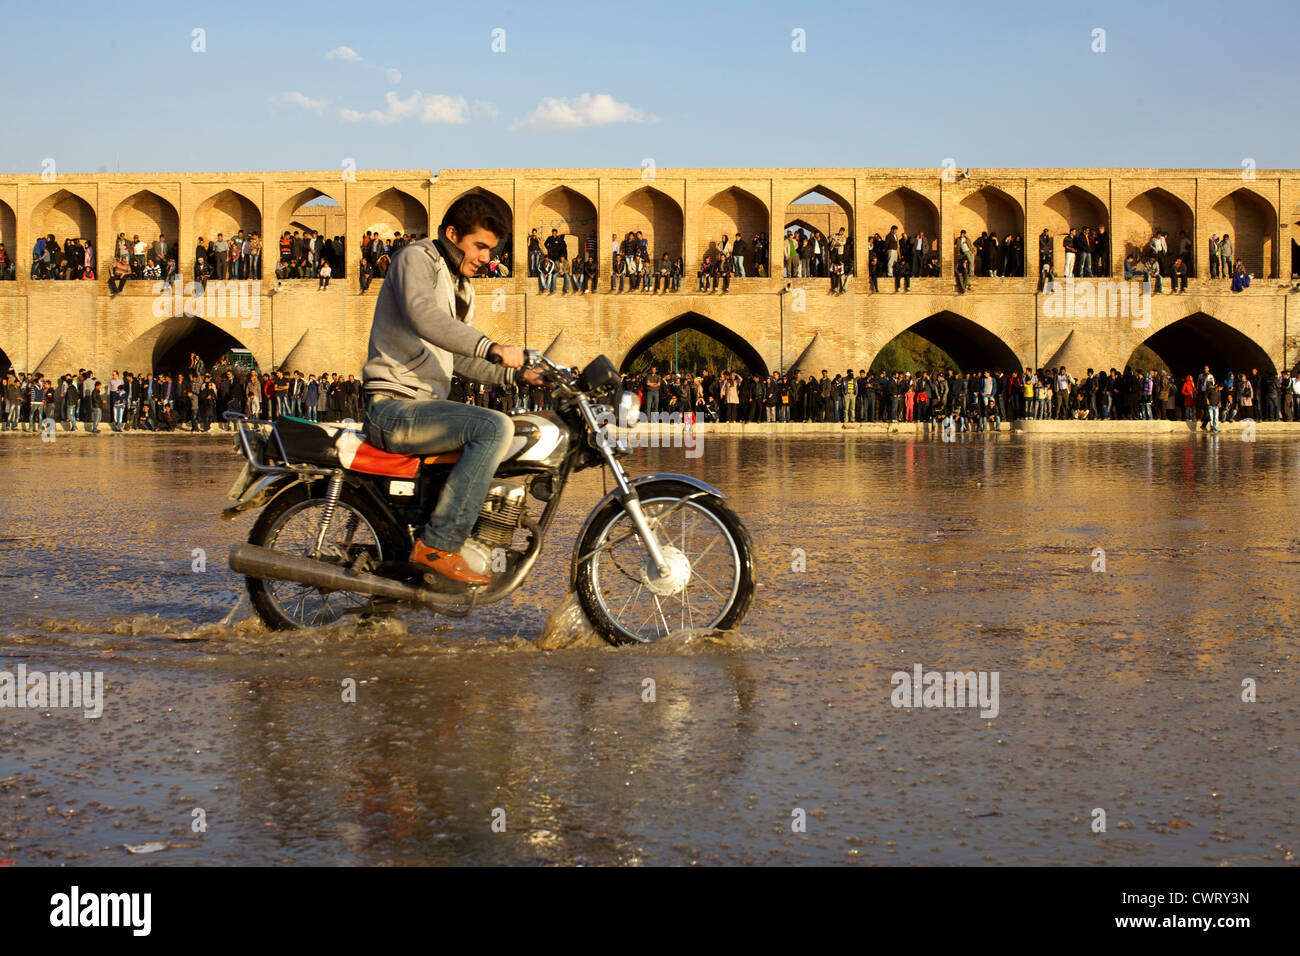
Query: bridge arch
[970, 345]
[1157, 208]
[701, 323]
[570, 213]
[165, 347]
[836, 210]
[908, 209]
[1072, 208]
[657, 216]
[66, 215]
[304, 210]
[733, 210]
[992, 210]
[9, 233]
[227, 212]
[1251, 222]
[1188, 344]
[394, 210]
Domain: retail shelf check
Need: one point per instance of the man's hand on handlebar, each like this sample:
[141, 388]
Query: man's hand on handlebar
[511, 356]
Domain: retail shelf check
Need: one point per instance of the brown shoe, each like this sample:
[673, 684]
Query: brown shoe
[447, 563]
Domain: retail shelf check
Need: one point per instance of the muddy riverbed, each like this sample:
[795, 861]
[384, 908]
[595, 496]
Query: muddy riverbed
[1127, 594]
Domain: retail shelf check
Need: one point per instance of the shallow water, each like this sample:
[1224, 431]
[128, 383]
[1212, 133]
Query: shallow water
[1119, 689]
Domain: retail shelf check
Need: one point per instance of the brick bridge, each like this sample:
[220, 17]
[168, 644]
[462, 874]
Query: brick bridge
[54, 326]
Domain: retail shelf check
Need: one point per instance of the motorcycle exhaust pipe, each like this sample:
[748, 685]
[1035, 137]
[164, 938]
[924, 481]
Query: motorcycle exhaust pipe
[257, 562]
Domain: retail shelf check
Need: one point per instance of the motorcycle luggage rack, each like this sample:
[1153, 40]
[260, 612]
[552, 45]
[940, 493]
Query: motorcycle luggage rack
[247, 427]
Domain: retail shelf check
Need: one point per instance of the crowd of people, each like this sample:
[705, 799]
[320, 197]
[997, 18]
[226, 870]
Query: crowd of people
[974, 400]
[191, 400]
[806, 253]
[74, 259]
[195, 399]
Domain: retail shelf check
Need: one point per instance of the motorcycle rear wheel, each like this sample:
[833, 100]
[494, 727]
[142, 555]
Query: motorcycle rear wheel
[703, 538]
[289, 523]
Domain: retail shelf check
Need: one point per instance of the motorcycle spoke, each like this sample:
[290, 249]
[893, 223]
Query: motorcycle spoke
[660, 609]
[695, 576]
[629, 600]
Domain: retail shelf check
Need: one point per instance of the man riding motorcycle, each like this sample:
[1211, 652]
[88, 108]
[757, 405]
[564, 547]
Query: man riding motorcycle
[422, 333]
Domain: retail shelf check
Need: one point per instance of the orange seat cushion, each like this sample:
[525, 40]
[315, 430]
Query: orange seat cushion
[443, 458]
[375, 461]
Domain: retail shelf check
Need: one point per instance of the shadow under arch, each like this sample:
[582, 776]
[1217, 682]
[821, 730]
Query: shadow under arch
[703, 324]
[1198, 340]
[973, 347]
[6, 365]
[166, 347]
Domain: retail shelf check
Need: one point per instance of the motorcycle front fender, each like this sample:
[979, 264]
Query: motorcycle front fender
[695, 483]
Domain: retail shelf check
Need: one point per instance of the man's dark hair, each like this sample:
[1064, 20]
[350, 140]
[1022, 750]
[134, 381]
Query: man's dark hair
[472, 212]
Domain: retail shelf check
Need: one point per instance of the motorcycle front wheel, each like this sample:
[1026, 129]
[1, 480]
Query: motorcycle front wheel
[711, 583]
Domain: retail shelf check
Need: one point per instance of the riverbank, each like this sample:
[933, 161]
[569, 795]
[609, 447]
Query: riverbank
[1028, 428]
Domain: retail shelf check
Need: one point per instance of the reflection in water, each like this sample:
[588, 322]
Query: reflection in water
[1119, 689]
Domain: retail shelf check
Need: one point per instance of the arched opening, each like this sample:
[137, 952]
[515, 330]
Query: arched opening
[730, 212]
[915, 216]
[504, 248]
[65, 216]
[698, 343]
[394, 211]
[1295, 241]
[1158, 209]
[165, 349]
[821, 210]
[149, 216]
[656, 216]
[968, 346]
[9, 237]
[1198, 340]
[990, 213]
[387, 216]
[1075, 208]
[229, 213]
[6, 365]
[1251, 223]
[571, 215]
[313, 213]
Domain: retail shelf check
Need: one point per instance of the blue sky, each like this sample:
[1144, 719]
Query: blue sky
[401, 84]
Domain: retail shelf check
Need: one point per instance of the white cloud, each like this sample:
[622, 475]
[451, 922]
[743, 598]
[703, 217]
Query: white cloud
[294, 98]
[586, 110]
[434, 108]
[345, 53]
[394, 76]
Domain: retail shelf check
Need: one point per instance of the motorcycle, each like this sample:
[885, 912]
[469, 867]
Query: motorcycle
[658, 553]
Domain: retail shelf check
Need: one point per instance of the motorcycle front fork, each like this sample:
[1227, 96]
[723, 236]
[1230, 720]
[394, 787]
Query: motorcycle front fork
[626, 493]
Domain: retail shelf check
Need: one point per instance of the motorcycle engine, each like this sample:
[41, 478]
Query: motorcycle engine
[502, 514]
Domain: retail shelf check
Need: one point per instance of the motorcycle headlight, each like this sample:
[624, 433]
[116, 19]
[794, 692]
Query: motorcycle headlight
[629, 410]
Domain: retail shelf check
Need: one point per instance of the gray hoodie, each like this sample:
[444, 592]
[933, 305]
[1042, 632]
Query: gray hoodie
[423, 327]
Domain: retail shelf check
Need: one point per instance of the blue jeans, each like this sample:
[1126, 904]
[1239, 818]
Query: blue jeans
[437, 425]
[740, 266]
